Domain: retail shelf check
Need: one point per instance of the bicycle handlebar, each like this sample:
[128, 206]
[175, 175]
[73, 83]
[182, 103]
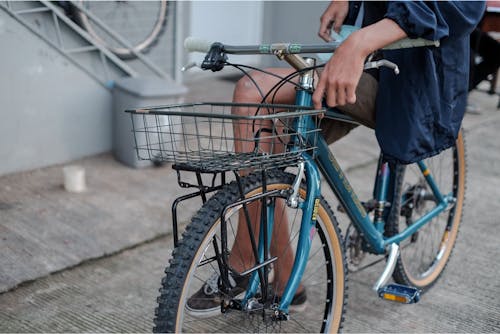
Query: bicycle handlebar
[193, 44]
[216, 53]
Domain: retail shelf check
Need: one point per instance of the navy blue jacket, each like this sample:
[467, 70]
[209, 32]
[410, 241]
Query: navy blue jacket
[419, 112]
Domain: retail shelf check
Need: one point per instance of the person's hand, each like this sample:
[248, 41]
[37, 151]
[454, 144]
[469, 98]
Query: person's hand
[333, 17]
[341, 75]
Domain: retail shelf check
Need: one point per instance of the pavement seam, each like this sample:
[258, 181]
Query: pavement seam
[90, 260]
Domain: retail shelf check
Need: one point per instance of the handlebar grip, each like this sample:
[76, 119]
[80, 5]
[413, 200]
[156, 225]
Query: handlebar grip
[411, 43]
[195, 44]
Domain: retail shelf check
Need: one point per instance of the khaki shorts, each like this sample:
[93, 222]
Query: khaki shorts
[362, 111]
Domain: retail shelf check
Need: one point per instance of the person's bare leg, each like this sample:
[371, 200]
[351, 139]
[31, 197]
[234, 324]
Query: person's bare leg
[242, 255]
[245, 92]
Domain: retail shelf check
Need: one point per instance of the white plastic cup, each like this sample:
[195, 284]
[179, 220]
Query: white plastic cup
[74, 179]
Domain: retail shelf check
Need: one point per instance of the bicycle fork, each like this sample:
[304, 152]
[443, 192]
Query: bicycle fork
[307, 232]
[259, 273]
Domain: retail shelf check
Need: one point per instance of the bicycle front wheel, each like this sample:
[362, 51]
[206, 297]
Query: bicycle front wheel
[193, 277]
[424, 255]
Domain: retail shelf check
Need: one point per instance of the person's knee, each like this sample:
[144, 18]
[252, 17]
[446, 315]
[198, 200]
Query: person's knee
[246, 89]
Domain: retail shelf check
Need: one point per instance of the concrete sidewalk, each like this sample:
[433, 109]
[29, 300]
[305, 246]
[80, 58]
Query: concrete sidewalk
[46, 230]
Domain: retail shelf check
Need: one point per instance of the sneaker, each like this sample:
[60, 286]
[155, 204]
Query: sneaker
[207, 300]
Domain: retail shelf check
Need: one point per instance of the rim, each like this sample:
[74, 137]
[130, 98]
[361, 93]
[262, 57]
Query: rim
[321, 323]
[433, 243]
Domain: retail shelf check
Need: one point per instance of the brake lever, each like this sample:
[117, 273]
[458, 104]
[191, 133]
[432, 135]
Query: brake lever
[381, 63]
[215, 58]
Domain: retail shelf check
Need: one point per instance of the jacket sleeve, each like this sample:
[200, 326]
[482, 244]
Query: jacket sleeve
[434, 20]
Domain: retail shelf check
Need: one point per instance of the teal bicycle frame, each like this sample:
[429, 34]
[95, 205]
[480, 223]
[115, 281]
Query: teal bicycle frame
[373, 230]
[325, 163]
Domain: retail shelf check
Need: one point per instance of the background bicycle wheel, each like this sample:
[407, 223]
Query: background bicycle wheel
[140, 23]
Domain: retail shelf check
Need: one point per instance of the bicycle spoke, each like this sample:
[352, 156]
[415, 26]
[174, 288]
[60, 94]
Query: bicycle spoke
[314, 271]
[240, 254]
[424, 255]
[300, 325]
[320, 274]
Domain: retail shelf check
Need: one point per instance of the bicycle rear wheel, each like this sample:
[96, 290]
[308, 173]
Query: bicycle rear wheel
[194, 262]
[424, 255]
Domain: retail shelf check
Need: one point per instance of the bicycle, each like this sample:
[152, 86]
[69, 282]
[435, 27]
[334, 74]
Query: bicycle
[271, 200]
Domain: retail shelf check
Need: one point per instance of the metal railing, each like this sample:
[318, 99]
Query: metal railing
[81, 49]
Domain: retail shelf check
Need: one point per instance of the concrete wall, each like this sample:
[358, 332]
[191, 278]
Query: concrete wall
[291, 21]
[230, 22]
[253, 22]
[51, 111]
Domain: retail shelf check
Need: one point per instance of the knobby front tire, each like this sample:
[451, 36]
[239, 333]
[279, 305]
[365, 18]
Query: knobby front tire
[193, 263]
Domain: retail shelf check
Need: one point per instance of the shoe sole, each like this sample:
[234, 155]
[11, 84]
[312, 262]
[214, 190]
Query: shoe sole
[208, 313]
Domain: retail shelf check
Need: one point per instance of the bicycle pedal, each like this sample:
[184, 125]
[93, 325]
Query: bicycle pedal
[399, 293]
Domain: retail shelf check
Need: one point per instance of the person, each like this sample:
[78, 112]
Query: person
[415, 115]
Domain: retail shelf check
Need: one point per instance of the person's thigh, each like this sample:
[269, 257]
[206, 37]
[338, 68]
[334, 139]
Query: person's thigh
[363, 111]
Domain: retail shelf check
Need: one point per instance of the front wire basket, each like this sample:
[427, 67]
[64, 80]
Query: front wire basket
[208, 137]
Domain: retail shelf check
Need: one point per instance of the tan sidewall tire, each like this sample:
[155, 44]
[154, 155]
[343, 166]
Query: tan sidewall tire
[335, 247]
[457, 218]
